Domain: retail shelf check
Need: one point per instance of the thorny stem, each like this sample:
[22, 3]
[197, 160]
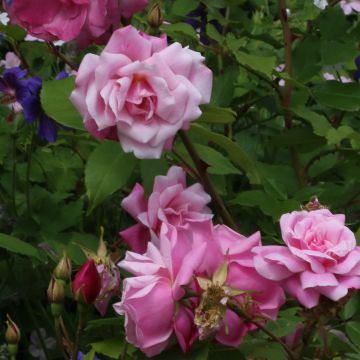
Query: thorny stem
[286, 96]
[59, 336]
[13, 181]
[205, 179]
[60, 55]
[241, 313]
[187, 165]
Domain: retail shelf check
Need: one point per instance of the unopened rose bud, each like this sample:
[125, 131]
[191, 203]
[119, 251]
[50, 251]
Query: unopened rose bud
[313, 204]
[63, 269]
[102, 249]
[56, 291]
[12, 333]
[155, 17]
[86, 284]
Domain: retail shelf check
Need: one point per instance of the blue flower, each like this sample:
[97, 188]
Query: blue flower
[357, 72]
[26, 92]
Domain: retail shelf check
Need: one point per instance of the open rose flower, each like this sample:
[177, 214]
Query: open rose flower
[140, 91]
[83, 20]
[149, 299]
[170, 202]
[321, 257]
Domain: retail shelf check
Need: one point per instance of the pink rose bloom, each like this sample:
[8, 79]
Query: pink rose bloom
[66, 19]
[171, 202]
[149, 299]
[140, 91]
[262, 297]
[348, 6]
[321, 257]
[110, 286]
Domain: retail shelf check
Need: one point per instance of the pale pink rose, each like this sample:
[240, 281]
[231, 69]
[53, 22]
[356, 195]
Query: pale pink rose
[110, 286]
[66, 19]
[149, 299]
[140, 91]
[11, 60]
[263, 298]
[171, 202]
[129, 7]
[348, 6]
[321, 257]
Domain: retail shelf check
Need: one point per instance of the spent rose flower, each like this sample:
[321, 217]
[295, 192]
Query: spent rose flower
[86, 285]
[110, 285]
[348, 6]
[83, 20]
[140, 91]
[149, 299]
[232, 276]
[321, 257]
[170, 202]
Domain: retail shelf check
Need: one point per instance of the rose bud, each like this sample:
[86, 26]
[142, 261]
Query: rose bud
[56, 291]
[87, 283]
[12, 333]
[63, 269]
[155, 17]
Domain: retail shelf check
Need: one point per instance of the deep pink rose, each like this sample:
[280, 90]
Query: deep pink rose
[321, 257]
[84, 20]
[171, 202]
[149, 299]
[110, 285]
[86, 285]
[140, 91]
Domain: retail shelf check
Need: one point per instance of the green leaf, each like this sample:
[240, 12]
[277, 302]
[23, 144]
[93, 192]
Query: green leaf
[111, 347]
[353, 331]
[149, 168]
[319, 123]
[258, 348]
[18, 246]
[107, 170]
[235, 152]
[55, 96]
[182, 28]
[95, 324]
[90, 355]
[183, 7]
[218, 163]
[338, 95]
[216, 115]
[263, 64]
[223, 87]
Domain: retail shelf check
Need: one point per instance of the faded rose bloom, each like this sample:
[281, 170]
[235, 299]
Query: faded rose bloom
[110, 285]
[140, 91]
[149, 299]
[348, 6]
[321, 257]
[171, 202]
[231, 275]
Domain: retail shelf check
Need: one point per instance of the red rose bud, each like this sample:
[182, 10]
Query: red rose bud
[63, 269]
[12, 333]
[86, 285]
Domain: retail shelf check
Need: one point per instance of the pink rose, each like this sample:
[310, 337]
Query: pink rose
[171, 202]
[259, 297]
[84, 20]
[321, 257]
[140, 91]
[110, 285]
[149, 299]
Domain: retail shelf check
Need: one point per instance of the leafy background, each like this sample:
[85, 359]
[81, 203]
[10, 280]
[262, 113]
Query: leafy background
[55, 196]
